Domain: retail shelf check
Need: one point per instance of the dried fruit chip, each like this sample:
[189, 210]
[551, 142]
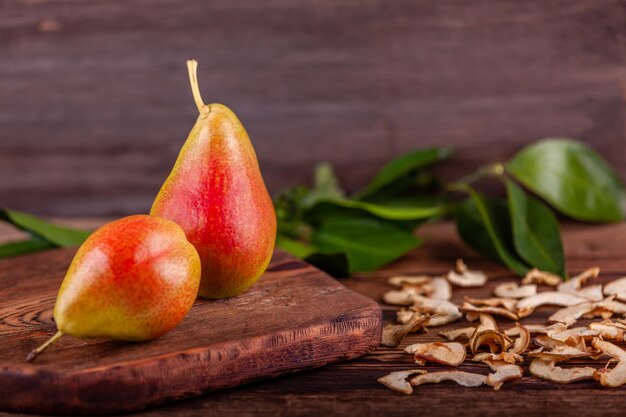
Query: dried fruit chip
[546, 369]
[570, 315]
[507, 303]
[513, 290]
[442, 290]
[393, 334]
[526, 306]
[463, 277]
[504, 372]
[455, 334]
[446, 353]
[521, 343]
[494, 339]
[611, 377]
[607, 330]
[410, 281]
[560, 352]
[492, 359]
[466, 379]
[574, 284]
[617, 287]
[498, 311]
[403, 297]
[398, 381]
[446, 310]
[535, 276]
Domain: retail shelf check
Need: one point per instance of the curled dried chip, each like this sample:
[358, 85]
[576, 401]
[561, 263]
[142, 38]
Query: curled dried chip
[535, 276]
[398, 381]
[591, 293]
[446, 310]
[507, 303]
[494, 339]
[498, 311]
[463, 277]
[611, 377]
[606, 330]
[446, 353]
[513, 290]
[545, 368]
[523, 340]
[574, 284]
[503, 372]
[403, 316]
[466, 379]
[616, 287]
[610, 305]
[455, 334]
[492, 359]
[570, 315]
[526, 306]
[572, 336]
[534, 329]
[393, 334]
[559, 352]
[409, 281]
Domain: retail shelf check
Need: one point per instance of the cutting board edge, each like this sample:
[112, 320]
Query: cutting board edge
[365, 330]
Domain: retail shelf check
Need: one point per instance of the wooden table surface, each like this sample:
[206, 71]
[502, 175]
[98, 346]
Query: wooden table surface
[350, 388]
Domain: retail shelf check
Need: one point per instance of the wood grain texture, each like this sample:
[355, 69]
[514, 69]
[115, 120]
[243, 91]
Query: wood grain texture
[95, 104]
[350, 388]
[294, 318]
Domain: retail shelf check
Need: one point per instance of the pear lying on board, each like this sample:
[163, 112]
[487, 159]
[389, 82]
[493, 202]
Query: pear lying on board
[133, 279]
[216, 193]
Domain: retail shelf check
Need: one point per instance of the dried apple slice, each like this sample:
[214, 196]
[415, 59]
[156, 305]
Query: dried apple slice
[559, 352]
[446, 353]
[570, 315]
[455, 334]
[498, 311]
[463, 277]
[574, 284]
[403, 297]
[409, 281]
[611, 377]
[523, 340]
[507, 303]
[535, 276]
[398, 381]
[513, 290]
[466, 379]
[446, 311]
[492, 338]
[616, 287]
[394, 334]
[607, 331]
[545, 368]
[526, 306]
[504, 372]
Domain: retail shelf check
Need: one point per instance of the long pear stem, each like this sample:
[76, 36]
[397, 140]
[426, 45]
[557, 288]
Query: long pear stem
[33, 354]
[192, 69]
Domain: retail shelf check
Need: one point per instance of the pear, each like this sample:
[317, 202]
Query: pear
[133, 279]
[216, 193]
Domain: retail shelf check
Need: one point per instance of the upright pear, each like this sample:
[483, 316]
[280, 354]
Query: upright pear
[216, 193]
[133, 279]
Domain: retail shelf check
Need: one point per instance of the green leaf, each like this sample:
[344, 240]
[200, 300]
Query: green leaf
[295, 247]
[409, 209]
[23, 247]
[325, 186]
[571, 177]
[402, 166]
[57, 235]
[535, 231]
[484, 224]
[368, 243]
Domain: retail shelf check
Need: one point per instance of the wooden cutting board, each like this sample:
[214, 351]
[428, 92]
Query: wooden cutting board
[296, 317]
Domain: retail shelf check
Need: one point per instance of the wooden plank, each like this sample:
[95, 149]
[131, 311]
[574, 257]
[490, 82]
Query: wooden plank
[294, 318]
[94, 103]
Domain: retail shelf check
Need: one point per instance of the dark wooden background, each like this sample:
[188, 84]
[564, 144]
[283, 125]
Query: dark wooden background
[95, 103]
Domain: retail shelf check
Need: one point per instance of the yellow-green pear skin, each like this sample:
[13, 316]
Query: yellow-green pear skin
[133, 279]
[216, 193]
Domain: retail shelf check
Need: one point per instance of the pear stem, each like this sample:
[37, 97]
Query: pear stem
[192, 69]
[33, 354]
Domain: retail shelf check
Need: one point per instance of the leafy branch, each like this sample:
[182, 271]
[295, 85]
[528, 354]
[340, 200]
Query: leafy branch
[343, 233]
